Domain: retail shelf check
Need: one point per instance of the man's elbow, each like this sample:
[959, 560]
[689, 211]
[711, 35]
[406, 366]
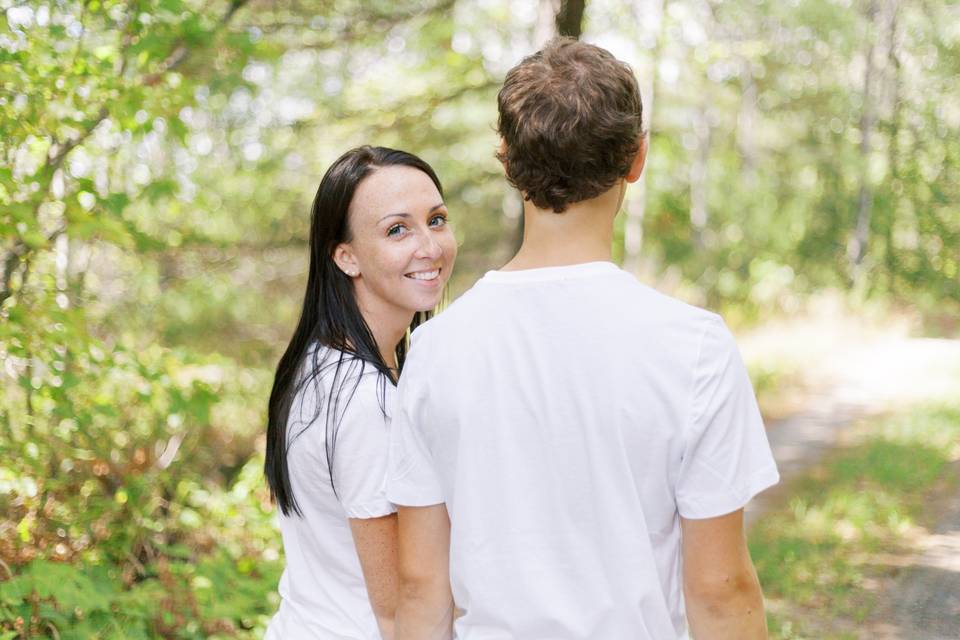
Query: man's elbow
[731, 594]
[420, 586]
[425, 611]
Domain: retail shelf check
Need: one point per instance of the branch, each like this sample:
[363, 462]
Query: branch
[15, 258]
[425, 104]
[54, 161]
[180, 51]
[364, 24]
[9, 265]
[59, 151]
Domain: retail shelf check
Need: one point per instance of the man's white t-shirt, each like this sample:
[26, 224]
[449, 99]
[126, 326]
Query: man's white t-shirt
[322, 590]
[568, 416]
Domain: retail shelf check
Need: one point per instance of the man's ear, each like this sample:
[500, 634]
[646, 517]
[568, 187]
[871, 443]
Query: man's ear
[345, 259]
[502, 153]
[636, 167]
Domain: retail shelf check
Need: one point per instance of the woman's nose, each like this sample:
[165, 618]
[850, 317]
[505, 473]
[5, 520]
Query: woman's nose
[429, 247]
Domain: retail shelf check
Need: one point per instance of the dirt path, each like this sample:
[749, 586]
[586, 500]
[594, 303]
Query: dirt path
[849, 374]
[923, 601]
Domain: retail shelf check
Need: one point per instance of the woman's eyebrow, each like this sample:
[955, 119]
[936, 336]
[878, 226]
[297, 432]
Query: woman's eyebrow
[404, 214]
[399, 215]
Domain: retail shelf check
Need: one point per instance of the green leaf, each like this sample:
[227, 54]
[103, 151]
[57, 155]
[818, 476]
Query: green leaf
[35, 239]
[105, 52]
[116, 202]
[68, 586]
[16, 590]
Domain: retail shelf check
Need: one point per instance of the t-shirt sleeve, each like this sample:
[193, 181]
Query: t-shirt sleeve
[727, 458]
[412, 479]
[360, 452]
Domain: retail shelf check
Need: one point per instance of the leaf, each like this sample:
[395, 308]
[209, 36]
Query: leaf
[160, 189]
[34, 239]
[178, 129]
[15, 590]
[115, 231]
[116, 202]
[105, 52]
[68, 586]
[21, 212]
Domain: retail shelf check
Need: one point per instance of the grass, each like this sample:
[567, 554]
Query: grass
[817, 556]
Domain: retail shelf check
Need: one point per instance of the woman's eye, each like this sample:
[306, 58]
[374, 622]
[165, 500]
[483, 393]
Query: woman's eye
[395, 230]
[438, 220]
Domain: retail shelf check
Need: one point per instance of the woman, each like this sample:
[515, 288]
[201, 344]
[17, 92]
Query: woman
[380, 254]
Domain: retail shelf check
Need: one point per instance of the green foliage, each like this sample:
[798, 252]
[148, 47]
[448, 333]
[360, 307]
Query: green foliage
[201, 569]
[772, 101]
[158, 159]
[127, 495]
[221, 597]
[815, 553]
[77, 601]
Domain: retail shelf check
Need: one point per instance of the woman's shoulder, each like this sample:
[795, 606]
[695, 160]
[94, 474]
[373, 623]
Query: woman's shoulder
[328, 373]
[337, 365]
[338, 387]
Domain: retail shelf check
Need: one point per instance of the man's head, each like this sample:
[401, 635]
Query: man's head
[571, 122]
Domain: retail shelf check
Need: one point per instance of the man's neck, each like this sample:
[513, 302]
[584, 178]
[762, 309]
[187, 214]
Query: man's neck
[583, 233]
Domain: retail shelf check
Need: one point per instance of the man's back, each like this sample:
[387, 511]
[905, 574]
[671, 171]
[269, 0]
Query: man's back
[568, 416]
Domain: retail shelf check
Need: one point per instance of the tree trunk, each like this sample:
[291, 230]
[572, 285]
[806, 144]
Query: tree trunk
[554, 17]
[650, 13]
[569, 21]
[893, 62]
[858, 248]
[699, 210]
[746, 126]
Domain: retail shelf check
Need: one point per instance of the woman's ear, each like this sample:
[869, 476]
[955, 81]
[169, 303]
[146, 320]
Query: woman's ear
[345, 259]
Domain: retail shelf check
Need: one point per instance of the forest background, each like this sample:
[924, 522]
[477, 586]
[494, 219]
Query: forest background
[157, 162]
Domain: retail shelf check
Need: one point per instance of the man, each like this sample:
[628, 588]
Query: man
[577, 445]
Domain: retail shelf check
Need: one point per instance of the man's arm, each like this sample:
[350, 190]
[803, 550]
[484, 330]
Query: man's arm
[376, 543]
[425, 609]
[720, 585]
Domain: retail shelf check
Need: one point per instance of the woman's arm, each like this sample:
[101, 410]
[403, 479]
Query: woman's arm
[376, 542]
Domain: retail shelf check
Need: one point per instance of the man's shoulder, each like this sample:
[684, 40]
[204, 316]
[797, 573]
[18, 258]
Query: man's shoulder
[631, 308]
[656, 305]
[461, 313]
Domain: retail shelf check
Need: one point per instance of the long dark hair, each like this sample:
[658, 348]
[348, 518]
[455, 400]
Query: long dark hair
[330, 318]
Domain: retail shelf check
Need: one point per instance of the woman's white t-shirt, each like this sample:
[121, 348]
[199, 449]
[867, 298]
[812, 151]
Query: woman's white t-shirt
[322, 591]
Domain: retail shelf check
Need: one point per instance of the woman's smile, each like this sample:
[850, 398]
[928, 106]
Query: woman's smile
[431, 276]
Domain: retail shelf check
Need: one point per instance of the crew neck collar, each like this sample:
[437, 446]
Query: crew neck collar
[544, 274]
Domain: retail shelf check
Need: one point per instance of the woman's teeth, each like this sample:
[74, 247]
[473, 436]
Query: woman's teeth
[424, 275]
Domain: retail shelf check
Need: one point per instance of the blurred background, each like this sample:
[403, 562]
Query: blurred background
[157, 163]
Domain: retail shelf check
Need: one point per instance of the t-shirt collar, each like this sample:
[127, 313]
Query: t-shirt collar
[544, 274]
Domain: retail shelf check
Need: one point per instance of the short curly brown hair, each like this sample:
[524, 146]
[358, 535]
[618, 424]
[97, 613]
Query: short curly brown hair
[571, 120]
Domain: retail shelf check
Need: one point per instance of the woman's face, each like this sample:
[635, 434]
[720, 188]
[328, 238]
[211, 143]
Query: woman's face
[401, 250]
